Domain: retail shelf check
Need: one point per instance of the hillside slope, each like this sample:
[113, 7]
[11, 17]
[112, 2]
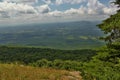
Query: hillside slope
[20, 72]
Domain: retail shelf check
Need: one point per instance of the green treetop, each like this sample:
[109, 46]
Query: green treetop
[111, 27]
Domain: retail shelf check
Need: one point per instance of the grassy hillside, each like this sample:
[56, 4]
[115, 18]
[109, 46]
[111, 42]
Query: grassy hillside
[20, 72]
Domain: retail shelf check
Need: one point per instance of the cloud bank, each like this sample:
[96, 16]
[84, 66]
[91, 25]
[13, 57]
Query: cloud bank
[32, 11]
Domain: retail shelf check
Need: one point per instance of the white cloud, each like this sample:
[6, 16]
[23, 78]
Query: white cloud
[21, 1]
[109, 10]
[92, 7]
[72, 11]
[58, 2]
[43, 9]
[74, 1]
[13, 9]
[95, 7]
[56, 13]
[47, 1]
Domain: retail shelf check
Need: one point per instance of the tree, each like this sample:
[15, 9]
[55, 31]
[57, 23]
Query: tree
[111, 27]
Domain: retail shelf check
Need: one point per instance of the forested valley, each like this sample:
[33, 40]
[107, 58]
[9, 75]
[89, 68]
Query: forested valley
[100, 63]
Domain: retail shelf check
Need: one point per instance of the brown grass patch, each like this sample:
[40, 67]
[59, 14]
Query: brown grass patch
[17, 72]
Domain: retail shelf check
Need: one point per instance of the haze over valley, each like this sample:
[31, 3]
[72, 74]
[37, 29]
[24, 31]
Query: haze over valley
[67, 35]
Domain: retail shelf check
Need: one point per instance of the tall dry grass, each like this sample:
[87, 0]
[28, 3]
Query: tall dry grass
[19, 72]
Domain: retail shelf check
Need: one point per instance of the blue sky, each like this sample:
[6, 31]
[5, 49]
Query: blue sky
[44, 11]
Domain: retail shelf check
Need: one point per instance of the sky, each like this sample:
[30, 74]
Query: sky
[45, 11]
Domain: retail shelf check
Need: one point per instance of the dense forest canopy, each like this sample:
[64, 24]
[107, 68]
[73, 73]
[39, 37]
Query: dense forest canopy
[28, 55]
